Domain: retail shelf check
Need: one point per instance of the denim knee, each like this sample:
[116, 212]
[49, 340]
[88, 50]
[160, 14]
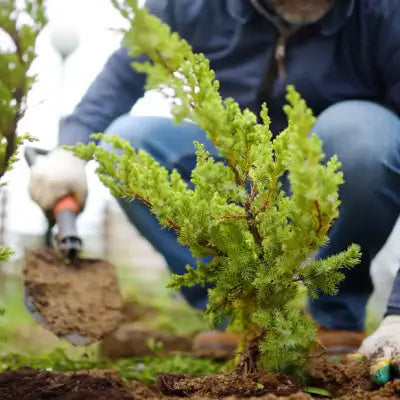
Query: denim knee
[169, 144]
[366, 138]
[138, 131]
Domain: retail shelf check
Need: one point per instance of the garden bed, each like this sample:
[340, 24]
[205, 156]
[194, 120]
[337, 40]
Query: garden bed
[345, 380]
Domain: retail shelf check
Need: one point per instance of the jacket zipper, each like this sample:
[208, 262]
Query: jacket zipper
[280, 53]
[275, 68]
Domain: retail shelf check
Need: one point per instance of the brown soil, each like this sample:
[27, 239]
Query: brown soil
[81, 298]
[141, 392]
[129, 341]
[345, 380]
[33, 385]
[222, 385]
[349, 380]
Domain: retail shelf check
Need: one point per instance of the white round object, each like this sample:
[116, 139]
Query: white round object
[65, 39]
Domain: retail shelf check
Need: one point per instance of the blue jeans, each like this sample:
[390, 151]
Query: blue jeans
[366, 138]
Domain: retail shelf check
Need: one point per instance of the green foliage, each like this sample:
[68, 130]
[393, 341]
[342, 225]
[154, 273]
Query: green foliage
[261, 238]
[147, 369]
[143, 369]
[155, 346]
[5, 253]
[317, 391]
[21, 22]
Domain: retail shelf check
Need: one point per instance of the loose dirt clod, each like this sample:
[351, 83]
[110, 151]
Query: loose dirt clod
[29, 384]
[81, 298]
[349, 380]
[222, 385]
[141, 392]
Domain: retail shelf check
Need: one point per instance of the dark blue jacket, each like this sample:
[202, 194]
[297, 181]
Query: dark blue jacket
[352, 53]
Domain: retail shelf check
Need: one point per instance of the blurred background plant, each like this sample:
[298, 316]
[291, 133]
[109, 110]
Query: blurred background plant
[22, 23]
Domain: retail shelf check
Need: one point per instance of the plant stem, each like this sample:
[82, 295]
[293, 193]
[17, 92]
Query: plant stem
[249, 357]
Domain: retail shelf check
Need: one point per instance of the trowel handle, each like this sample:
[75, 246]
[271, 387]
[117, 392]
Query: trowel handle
[68, 202]
[65, 212]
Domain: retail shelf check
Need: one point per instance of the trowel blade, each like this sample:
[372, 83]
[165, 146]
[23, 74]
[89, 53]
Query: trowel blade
[74, 338]
[78, 302]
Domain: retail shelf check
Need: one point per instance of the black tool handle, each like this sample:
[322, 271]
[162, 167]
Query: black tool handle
[67, 238]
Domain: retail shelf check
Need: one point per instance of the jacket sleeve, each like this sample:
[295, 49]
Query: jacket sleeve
[393, 305]
[112, 94]
[388, 52]
[388, 59]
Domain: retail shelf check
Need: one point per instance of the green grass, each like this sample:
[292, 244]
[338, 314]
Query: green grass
[144, 369]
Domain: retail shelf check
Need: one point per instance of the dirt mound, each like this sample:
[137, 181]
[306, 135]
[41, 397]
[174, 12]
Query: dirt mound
[217, 386]
[344, 379]
[29, 384]
[82, 298]
[349, 380]
[141, 392]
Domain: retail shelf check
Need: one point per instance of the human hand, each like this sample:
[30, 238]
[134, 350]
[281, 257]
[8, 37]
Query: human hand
[382, 348]
[56, 175]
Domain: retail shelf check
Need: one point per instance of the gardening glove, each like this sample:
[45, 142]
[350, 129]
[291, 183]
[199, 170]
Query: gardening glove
[56, 175]
[382, 348]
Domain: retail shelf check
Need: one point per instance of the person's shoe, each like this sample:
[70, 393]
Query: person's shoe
[339, 341]
[215, 344]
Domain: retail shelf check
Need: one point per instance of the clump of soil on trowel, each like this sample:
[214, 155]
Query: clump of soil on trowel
[80, 302]
[29, 384]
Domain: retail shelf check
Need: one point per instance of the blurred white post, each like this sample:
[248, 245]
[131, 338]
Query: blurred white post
[65, 40]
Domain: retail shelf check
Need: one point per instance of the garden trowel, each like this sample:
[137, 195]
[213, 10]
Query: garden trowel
[77, 299]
